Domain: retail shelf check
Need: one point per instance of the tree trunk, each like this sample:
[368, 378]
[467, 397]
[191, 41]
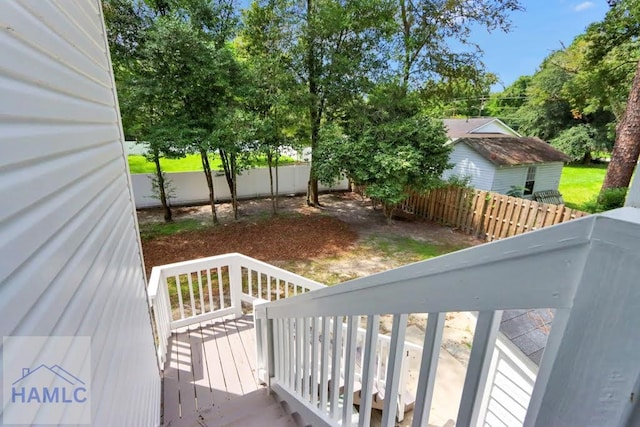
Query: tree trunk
[234, 180]
[229, 166]
[163, 195]
[586, 159]
[388, 211]
[270, 165]
[315, 113]
[312, 187]
[627, 147]
[206, 167]
[277, 179]
[406, 39]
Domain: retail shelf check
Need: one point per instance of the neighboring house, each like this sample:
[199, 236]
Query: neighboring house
[496, 158]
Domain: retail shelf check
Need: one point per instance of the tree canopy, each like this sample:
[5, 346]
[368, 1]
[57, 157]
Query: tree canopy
[388, 147]
[202, 76]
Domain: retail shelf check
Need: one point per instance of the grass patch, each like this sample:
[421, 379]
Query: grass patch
[579, 184]
[406, 248]
[153, 230]
[190, 163]
[375, 254]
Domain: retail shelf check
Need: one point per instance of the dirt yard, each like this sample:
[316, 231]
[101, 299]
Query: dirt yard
[298, 233]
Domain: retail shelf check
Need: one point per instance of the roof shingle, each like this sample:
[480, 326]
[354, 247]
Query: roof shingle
[512, 151]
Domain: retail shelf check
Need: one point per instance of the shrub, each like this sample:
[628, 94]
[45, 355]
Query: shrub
[458, 181]
[610, 198]
[516, 191]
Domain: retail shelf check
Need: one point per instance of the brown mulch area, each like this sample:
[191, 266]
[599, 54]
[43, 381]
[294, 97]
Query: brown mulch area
[283, 238]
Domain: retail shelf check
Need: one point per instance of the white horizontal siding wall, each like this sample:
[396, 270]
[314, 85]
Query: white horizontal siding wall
[191, 187]
[70, 255]
[467, 162]
[509, 176]
[547, 177]
[509, 386]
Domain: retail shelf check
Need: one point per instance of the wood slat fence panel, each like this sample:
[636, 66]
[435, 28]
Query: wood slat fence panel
[490, 216]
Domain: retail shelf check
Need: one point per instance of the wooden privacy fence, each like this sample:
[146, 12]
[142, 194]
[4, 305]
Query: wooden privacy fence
[485, 214]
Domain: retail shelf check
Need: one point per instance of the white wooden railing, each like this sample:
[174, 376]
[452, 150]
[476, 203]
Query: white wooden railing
[194, 291]
[189, 292]
[587, 270]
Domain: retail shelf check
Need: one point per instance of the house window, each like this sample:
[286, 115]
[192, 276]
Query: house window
[530, 181]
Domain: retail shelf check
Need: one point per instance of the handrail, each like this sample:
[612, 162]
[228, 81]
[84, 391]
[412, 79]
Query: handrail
[503, 275]
[427, 286]
[214, 287]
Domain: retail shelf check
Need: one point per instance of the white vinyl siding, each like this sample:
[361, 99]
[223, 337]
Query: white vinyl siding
[467, 162]
[507, 176]
[547, 177]
[71, 258]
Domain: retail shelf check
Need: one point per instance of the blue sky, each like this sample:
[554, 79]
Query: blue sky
[536, 32]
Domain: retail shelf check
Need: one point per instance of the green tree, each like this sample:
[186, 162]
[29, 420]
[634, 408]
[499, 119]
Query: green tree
[193, 81]
[465, 94]
[553, 110]
[619, 31]
[547, 112]
[231, 138]
[333, 48]
[143, 103]
[427, 36]
[505, 104]
[580, 141]
[169, 56]
[388, 148]
[274, 93]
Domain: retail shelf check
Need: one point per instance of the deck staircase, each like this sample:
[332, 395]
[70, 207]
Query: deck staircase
[258, 409]
[209, 379]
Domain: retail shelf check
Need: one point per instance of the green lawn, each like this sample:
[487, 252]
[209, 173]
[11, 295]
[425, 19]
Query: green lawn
[192, 162]
[581, 183]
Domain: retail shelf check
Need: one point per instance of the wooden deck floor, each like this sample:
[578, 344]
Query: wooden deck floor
[210, 377]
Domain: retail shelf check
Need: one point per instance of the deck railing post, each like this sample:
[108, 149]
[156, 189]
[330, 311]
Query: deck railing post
[264, 345]
[235, 286]
[161, 307]
[403, 385]
[267, 350]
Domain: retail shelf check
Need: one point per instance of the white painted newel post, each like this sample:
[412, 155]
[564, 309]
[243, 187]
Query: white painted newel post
[235, 286]
[264, 345]
[594, 378]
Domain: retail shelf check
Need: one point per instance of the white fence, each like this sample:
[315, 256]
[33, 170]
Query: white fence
[191, 187]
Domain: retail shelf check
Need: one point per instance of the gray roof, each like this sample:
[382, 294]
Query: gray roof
[528, 330]
[513, 150]
[457, 128]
